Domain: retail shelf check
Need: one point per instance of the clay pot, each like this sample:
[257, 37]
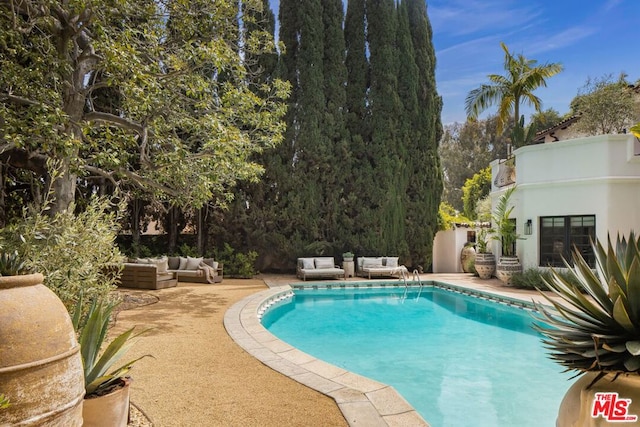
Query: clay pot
[40, 364]
[506, 268]
[485, 265]
[578, 405]
[467, 258]
[110, 410]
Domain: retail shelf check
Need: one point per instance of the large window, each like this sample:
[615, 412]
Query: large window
[560, 234]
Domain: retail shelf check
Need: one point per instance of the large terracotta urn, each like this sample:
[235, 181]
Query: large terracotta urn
[608, 402]
[40, 364]
[467, 258]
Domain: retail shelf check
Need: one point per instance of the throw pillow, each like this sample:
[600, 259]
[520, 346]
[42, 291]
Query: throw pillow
[162, 264]
[193, 263]
[307, 264]
[143, 261]
[183, 263]
[174, 263]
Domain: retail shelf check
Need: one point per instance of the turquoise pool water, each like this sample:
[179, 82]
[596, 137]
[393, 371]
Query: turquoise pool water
[459, 360]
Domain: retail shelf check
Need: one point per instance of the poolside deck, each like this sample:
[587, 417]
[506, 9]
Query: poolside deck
[201, 377]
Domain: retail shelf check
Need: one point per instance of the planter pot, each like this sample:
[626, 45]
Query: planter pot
[507, 267]
[40, 365]
[467, 258]
[485, 265]
[109, 410]
[579, 403]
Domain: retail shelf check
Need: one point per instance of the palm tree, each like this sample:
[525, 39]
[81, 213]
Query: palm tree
[509, 91]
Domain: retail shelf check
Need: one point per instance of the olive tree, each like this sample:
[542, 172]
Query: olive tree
[605, 106]
[154, 94]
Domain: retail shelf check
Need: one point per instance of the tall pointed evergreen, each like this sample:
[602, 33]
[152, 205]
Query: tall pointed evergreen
[358, 125]
[335, 136]
[425, 186]
[387, 221]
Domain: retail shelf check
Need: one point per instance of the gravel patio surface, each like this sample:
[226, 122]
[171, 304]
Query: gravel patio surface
[198, 376]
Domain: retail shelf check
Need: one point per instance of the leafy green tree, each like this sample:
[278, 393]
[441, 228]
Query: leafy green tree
[523, 76]
[466, 149]
[543, 120]
[605, 106]
[474, 190]
[137, 93]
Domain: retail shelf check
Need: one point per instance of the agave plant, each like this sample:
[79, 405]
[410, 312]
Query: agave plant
[11, 264]
[100, 373]
[596, 326]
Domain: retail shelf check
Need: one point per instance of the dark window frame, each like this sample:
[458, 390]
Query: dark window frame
[559, 235]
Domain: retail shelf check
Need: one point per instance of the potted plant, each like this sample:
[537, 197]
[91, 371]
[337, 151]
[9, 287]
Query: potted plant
[505, 233]
[485, 262]
[106, 402]
[40, 365]
[593, 329]
[347, 256]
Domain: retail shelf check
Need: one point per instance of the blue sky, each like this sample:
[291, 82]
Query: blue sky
[591, 38]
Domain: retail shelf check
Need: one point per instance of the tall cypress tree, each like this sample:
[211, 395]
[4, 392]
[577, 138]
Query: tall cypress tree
[425, 186]
[385, 147]
[335, 136]
[357, 209]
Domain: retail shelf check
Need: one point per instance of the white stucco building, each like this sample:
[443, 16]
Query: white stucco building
[568, 191]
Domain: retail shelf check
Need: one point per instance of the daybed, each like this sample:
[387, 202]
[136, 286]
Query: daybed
[379, 267]
[165, 272]
[318, 267]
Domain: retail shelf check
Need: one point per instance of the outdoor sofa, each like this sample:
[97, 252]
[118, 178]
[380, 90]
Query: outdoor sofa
[379, 267]
[166, 272]
[318, 267]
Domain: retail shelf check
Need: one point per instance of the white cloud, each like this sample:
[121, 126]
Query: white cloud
[565, 38]
[460, 18]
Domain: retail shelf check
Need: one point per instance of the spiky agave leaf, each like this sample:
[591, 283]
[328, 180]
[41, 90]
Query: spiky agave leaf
[99, 372]
[596, 326]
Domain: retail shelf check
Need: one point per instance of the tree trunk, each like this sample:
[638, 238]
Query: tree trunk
[201, 229]
[135, 226]
[63, 188]
[3, 213]
[173, 229]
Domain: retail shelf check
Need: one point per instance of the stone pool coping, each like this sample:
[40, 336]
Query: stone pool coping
[363, 401]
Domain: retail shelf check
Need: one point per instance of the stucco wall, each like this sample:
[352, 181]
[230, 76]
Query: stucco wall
[588, 176]
[446, 250]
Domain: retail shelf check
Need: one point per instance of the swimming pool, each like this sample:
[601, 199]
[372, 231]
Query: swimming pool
[459, 360]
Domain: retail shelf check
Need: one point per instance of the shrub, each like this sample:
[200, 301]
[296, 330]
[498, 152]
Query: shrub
[237, 264]
[533, 278]
[75, 252]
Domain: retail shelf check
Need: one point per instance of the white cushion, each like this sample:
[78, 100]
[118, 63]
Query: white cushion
[183, 263]
[372, 263]
[324, 263]
[192, 263]
[391, 261]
